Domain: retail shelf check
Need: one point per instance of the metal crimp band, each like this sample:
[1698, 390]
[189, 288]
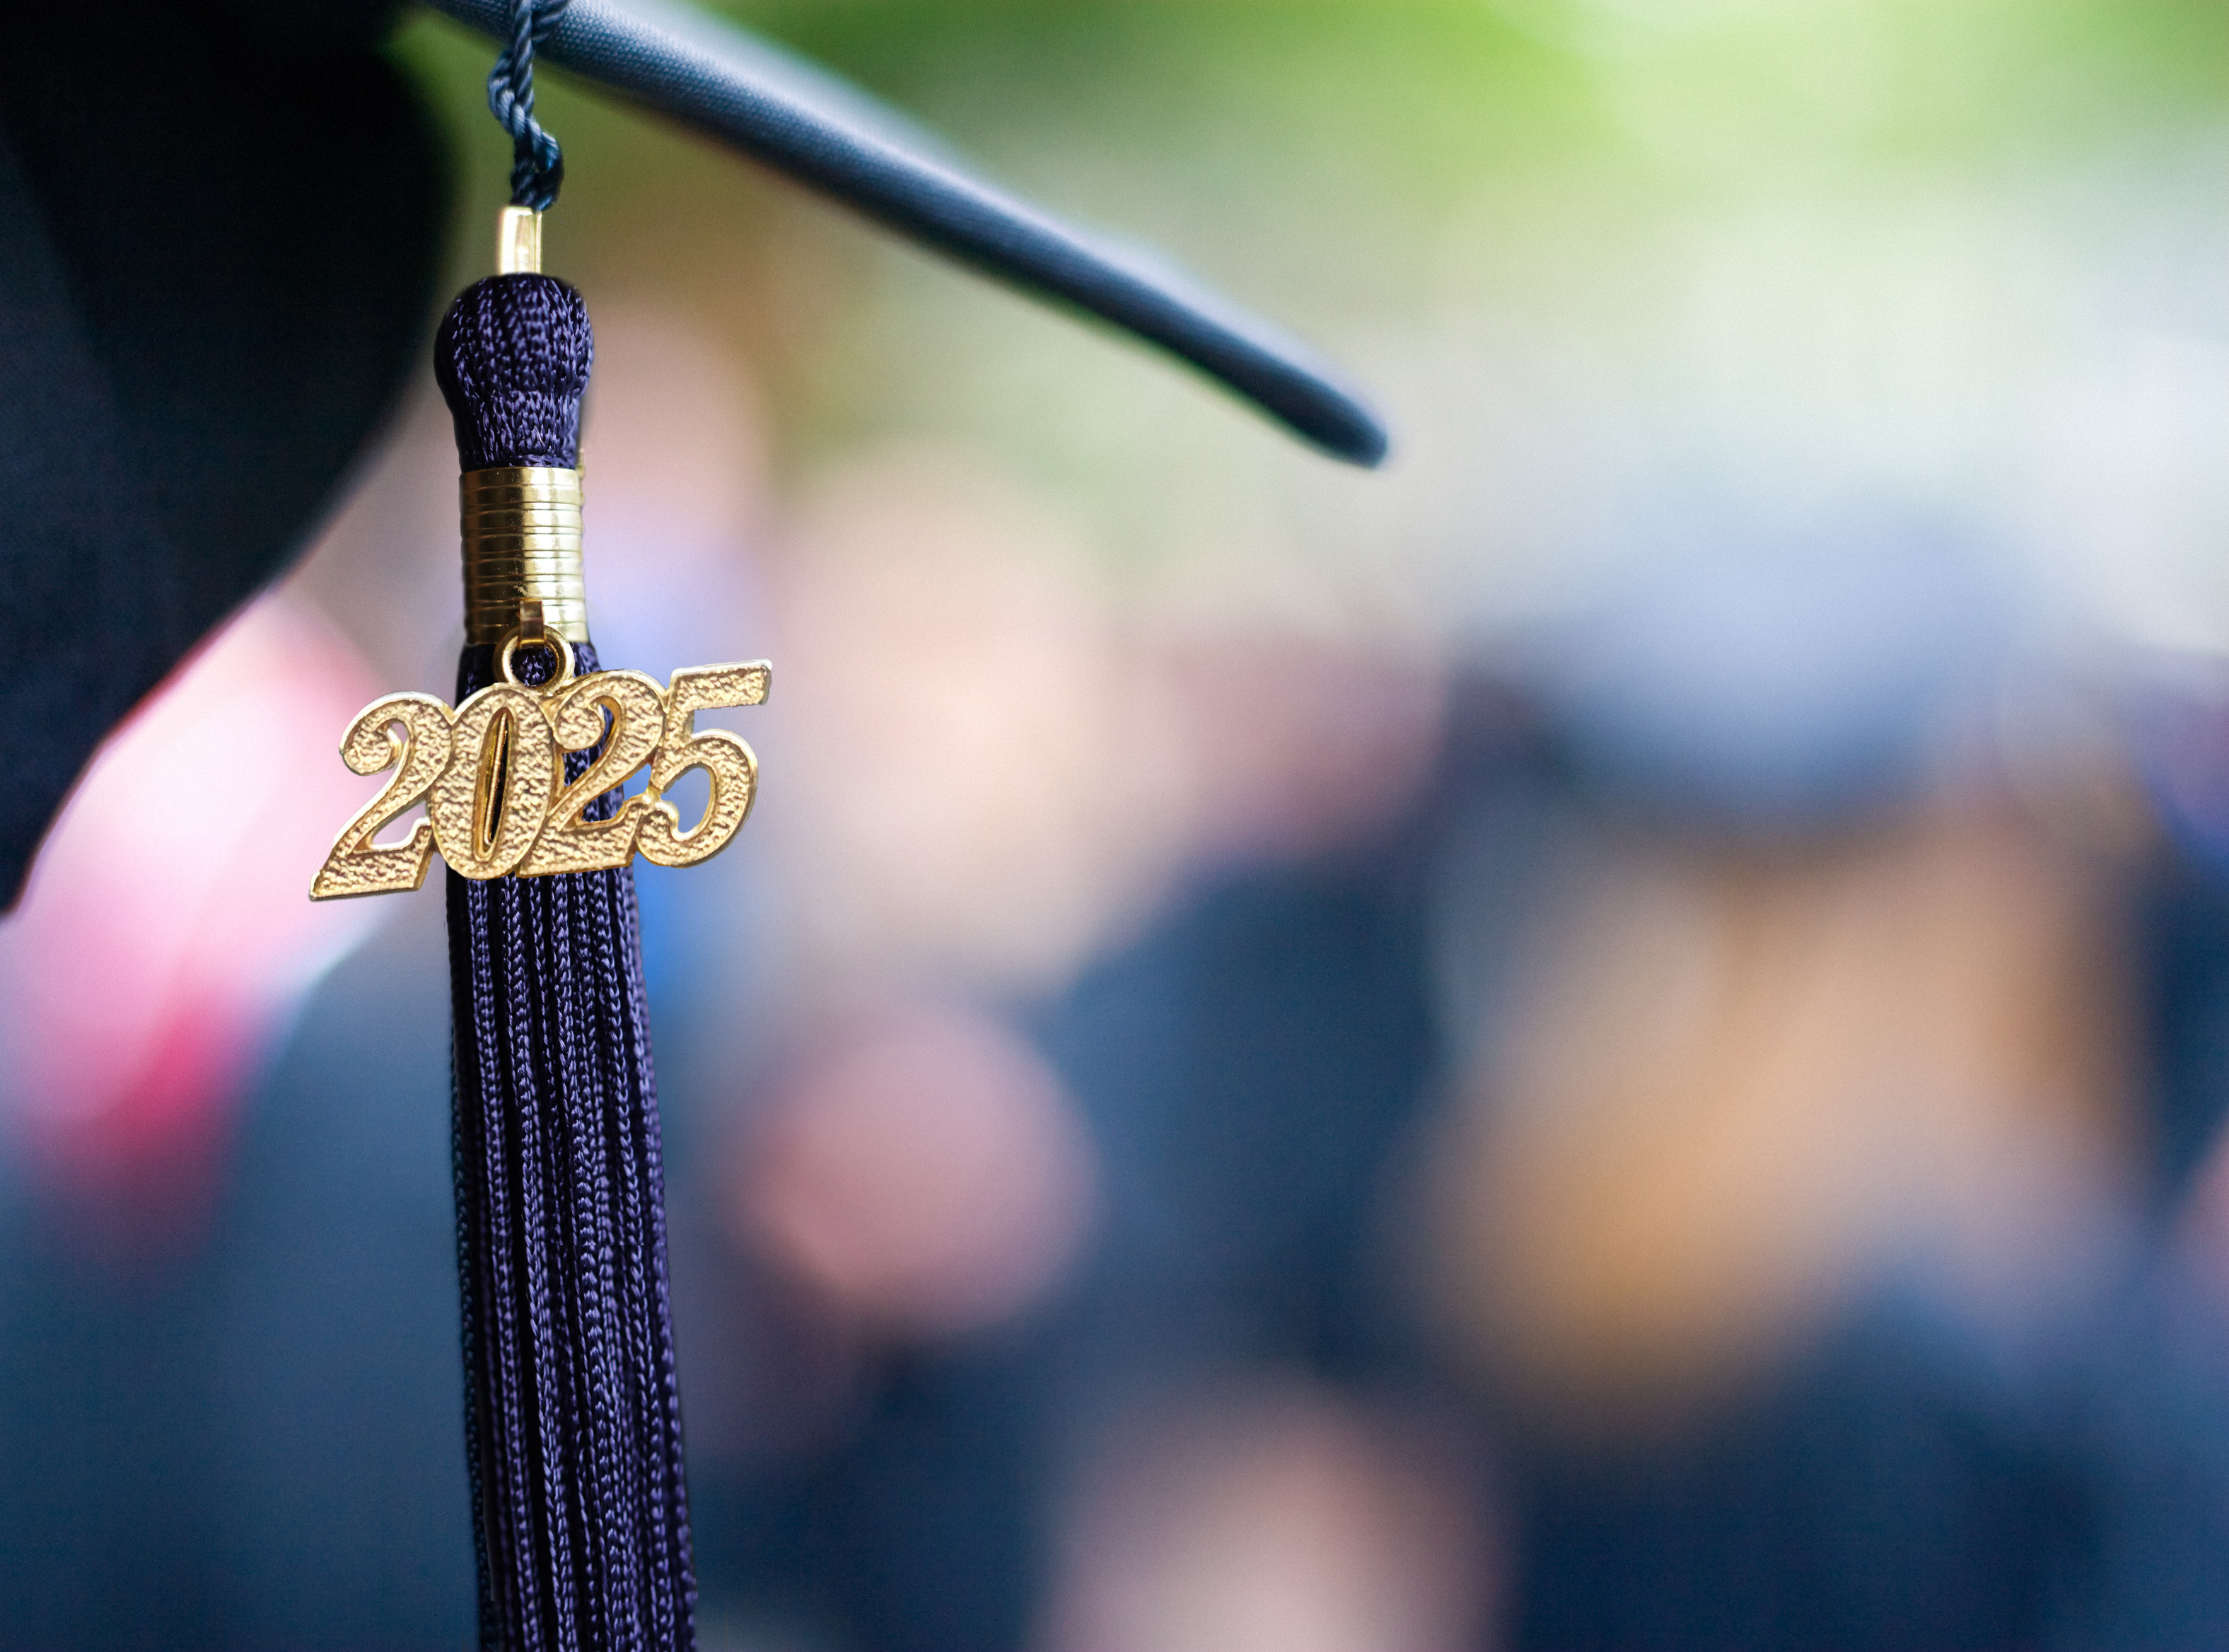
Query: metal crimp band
[522, 531]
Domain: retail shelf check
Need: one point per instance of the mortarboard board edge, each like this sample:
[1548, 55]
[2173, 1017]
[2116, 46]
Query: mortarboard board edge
[825, 135]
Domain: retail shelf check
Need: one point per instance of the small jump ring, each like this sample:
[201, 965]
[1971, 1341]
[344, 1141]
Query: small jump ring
[512, 645]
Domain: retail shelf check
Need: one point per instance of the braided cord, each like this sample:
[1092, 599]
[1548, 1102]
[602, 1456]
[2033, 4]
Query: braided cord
[538, 166]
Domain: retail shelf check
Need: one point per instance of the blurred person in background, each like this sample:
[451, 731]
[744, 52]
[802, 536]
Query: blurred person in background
[1714, 1173]
[1616, 1040]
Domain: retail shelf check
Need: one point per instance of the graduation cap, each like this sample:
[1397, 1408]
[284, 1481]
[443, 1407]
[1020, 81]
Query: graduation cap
[220, 226]
[218, 229]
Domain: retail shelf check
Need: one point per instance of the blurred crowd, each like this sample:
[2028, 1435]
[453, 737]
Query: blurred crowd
[1614, 1038]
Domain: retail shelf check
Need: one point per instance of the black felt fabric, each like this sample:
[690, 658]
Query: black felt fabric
[219, 231]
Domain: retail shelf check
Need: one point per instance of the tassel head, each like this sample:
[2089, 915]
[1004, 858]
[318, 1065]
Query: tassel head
[512, 358]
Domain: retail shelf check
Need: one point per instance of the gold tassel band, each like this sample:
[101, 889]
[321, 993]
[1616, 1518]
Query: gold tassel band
[521, 545]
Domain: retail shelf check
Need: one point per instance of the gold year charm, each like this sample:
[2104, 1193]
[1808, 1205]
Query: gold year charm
[491, 775]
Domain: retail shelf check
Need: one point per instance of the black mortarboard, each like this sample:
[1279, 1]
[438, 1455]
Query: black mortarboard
[219, 233]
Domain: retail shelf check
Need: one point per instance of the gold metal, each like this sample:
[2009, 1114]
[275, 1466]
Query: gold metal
[728, 761]
[570, 842]
[488, 806]
[519, 241]
[409, 734]
[520, 639]
[491, 775]
[521, 544]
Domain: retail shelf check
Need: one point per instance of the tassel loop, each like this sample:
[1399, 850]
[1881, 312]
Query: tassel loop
[537, 168]
[559, 647]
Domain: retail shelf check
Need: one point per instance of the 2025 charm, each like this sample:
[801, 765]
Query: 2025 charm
[491, 775]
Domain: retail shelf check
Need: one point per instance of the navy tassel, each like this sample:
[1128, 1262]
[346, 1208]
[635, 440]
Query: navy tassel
[572, 1416]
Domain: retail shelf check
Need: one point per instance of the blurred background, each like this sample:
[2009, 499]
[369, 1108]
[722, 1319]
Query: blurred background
[1610, 1038]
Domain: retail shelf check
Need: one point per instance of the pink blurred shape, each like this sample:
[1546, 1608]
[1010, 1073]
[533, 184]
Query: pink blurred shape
[167, 935]
[1270, 1516]
[926, 1175]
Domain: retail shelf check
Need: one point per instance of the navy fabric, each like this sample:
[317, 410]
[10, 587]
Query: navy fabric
[96, 612]
[512, 404]
[199, 332]
[741, 94]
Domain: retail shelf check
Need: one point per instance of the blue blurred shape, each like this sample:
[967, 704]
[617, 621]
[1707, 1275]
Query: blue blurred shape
[1779, 681]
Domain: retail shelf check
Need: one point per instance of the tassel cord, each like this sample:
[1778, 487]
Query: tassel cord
[676, 1547]
[547, 1374]
[537, 169]
[608, 1592]
[634, 1152]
